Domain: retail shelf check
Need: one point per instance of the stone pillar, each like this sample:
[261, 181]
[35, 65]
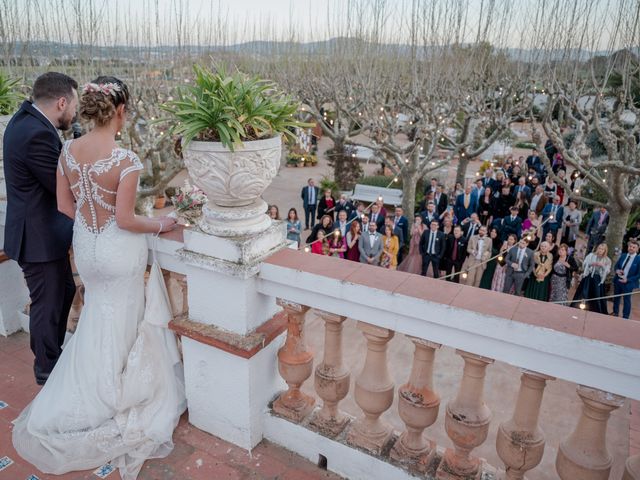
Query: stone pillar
[584, 454]
[520, 441]
[373, 392]
[332, 378]
[418, 407]
[228, 391]
[632, 468]
[295, 362]
[467, 421]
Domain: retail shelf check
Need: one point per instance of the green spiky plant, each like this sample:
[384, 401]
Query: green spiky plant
[231, 108]
[10, 96]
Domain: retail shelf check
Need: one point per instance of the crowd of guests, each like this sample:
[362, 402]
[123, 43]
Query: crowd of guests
[513, 230]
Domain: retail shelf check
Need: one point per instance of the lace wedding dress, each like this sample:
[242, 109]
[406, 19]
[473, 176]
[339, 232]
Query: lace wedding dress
[117, 391]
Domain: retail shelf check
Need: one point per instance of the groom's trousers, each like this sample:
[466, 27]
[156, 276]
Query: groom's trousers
[51, 288]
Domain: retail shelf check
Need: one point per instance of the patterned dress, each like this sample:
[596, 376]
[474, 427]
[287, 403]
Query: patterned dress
[559, 289]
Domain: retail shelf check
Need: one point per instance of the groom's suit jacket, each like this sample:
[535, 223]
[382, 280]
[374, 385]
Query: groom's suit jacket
[35, 231]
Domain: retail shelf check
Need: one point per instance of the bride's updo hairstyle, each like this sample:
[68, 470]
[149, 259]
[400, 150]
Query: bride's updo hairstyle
[101, 97]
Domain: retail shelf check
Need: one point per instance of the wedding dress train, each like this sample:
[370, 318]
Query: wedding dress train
[117, 391]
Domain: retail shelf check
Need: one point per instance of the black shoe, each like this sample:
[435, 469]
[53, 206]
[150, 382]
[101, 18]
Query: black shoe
[41, 377]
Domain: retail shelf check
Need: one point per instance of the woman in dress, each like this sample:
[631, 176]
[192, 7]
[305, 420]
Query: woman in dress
[538, 286]
[559, 188]
[353, 236]
[571, 223]
[274, 213]
[325, 224]
[550, 238]
[486, 207]
[390, 246]
[326, 205]
[562, 273]
[522, 202]
[320, 245]
[293, 226]
[487, 275]
[550, 188]
[497, 284]
[446, 226]
[116, 393]
[337, 245]
[532, 230]
[412, 263]
[596, 267]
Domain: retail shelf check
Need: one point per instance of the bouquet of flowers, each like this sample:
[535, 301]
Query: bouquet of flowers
[188, 202]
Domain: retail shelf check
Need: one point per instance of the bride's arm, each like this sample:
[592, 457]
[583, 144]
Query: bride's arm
[64, 195]
[125, 210]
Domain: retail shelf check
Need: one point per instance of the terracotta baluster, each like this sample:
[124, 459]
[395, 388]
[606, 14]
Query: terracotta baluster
[331, 378]
[520, 441]
[467, 421]
[418, 407]
[632, 468]
[373, 392]
[584, 454]
[295, 362]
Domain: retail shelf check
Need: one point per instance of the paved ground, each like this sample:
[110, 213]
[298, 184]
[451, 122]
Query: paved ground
[197, 455]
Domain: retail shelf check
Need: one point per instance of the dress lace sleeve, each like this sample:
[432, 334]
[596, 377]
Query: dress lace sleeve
[132, 164]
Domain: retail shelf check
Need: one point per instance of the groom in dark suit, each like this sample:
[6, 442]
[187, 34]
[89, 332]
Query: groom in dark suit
[37, 236]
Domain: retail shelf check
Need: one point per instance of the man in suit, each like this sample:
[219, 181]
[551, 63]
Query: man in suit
[344, 204]
[626, 278]
[357, 213]
[596, 228]
[370, 245]
[440, 199]
[309, 197]
[37, 236]
[432, 187]
[534, 161]
[487, 180]
[479, 251]
[504, 203]
[341, 223]
[511, 224]
[632, 234]
[455, 253]
[401, 222]
[470, 226]
[522, 187]
[432, 247]
[519, 262]
[377, 217]
[552, 215]
[466, 203]
[430, 213]
[538, 201]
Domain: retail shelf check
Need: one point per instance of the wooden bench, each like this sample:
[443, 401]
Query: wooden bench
[369, 194]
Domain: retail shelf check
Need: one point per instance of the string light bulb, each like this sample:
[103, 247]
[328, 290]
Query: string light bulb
[464, 275]
[307, 249]
[336, 233]
[583, 306]
[395, 179]
[379, 198]
[500, 258]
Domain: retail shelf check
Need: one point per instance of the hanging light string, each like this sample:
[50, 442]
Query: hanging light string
[583, 301]
[465, 273]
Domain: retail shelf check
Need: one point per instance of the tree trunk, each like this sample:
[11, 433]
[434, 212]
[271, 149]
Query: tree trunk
[619, 216]
[461, 172]
[409, 181]
[346, 168]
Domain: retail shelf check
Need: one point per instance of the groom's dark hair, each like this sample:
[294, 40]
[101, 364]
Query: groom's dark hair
[52, 86]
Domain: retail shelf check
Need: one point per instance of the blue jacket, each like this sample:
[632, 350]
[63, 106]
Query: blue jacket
[460, 211]
[403, 224]
[35, 231]
[633, 278]
[559, 216]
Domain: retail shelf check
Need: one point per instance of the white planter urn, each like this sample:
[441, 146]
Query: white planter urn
[234, 182]
[4, 119]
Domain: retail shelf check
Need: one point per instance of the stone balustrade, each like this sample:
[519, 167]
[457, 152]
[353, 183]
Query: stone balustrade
[520, 441]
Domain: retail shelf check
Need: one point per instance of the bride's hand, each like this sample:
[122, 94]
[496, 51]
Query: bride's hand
[168, 224]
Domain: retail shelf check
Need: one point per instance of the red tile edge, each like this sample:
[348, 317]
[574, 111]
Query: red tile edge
[3, 256]
[245, 346]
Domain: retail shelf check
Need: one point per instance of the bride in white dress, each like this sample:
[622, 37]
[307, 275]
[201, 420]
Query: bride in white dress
[117, 392]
